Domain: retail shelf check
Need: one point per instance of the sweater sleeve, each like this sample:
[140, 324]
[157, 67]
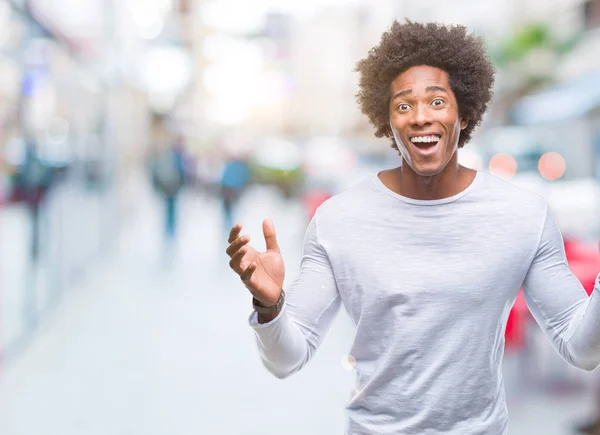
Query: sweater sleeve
[289, 341]
[559, 303]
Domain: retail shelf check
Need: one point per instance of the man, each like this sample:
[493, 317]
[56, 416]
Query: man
[234, 180]
[426, 258]
[168, 177]
[33, 180]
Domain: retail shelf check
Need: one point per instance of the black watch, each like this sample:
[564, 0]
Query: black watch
[261, 309]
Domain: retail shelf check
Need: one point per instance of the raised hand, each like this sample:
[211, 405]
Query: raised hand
[261, 272]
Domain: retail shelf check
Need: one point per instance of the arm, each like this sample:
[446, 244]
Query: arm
[560, 305]
[287, 342]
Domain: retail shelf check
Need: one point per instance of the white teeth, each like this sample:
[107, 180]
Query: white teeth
[425, 139]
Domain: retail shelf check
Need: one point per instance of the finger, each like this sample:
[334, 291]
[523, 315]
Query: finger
[236, 260]
[237, 244]
[235, 230]
[247, 274]
[270, 236]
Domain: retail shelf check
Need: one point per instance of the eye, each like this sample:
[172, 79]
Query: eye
[403, 107]
[437, 102]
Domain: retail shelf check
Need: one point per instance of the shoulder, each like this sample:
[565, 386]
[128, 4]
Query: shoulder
[513, 202]
[512, 193]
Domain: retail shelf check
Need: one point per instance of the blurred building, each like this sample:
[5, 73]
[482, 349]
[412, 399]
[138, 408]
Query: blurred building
[564, 114]
[81, 82]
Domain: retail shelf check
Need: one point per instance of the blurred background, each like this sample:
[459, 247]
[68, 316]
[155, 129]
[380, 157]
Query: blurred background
[134, 133]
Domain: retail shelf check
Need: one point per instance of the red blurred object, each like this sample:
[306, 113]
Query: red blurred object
[584, 262]
[313, 199]
[514, 335]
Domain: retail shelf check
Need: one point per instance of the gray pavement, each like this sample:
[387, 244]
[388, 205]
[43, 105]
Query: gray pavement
[146, 346]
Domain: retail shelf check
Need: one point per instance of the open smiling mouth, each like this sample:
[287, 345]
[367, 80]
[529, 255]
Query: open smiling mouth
[425, 143]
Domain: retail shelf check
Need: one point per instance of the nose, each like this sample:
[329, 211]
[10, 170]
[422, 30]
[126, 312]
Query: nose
[421, 116]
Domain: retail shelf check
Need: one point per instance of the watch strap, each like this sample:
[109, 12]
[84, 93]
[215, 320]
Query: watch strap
[261, 309]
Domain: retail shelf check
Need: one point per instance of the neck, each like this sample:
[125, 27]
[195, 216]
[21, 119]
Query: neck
[451, 181]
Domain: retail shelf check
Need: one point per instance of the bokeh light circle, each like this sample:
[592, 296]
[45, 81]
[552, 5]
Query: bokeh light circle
[552, 166]
[503, 165]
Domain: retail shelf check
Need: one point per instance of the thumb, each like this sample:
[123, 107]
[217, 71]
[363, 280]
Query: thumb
[270, 237]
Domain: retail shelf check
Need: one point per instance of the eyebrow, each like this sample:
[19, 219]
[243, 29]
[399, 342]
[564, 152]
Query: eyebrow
[433, 88]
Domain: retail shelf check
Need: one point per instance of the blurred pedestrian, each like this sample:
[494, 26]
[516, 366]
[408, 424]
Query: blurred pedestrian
[32, 180]
[234, 180]
[168, 176]
[427, 258]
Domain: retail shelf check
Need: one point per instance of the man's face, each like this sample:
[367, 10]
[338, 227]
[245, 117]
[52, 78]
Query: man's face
[424, 119]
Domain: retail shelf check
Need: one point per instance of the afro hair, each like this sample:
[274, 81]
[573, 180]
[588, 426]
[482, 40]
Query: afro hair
[450, 48]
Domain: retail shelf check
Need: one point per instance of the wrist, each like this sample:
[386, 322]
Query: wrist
[271, 301]
[269, 307]
[274, 296]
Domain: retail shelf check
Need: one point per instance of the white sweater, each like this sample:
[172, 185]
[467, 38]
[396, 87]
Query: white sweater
[429, 286]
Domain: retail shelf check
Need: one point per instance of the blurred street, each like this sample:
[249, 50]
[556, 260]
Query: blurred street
[147, 347]
[134, 134]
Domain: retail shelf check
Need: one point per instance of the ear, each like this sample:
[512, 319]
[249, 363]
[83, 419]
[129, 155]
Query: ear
[463, 123]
